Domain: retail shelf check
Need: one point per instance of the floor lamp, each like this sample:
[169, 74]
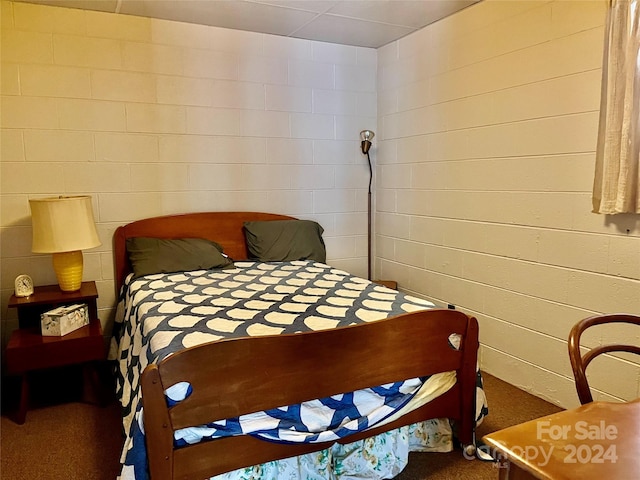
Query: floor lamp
[366, 136]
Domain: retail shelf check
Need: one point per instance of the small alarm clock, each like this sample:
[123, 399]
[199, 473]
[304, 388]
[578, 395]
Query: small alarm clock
[24, 286]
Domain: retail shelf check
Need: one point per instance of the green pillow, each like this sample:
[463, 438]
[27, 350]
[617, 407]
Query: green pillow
[285, 240]
[161, 255]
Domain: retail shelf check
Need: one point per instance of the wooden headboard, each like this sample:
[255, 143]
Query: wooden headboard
[224, 228]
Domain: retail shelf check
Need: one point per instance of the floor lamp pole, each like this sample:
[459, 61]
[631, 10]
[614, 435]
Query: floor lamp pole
[369, 220]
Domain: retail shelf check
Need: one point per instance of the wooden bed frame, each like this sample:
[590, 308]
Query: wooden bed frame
[240, 376]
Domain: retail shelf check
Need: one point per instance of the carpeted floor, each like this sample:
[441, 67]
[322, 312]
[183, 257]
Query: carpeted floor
[508, 406]
[66, 439]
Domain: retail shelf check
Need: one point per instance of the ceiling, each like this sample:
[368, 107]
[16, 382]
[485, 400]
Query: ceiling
[364, 23]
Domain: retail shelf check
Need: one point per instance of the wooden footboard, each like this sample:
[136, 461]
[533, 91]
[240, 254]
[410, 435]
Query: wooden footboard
[240, 376]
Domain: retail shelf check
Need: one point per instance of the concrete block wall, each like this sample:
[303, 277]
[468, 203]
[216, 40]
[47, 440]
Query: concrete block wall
[487, 132]
[485, 137]
[152, 117]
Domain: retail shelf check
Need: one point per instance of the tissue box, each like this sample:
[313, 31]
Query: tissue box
[63, 320]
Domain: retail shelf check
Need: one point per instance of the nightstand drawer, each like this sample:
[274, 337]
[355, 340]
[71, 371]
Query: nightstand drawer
[28, 350]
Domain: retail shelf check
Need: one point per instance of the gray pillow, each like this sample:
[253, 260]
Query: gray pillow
[285, 240]
[161, 255]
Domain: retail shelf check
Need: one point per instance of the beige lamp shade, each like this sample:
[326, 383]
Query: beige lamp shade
[64, 226]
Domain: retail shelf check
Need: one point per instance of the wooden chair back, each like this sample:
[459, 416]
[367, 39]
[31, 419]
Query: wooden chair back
[579, 362]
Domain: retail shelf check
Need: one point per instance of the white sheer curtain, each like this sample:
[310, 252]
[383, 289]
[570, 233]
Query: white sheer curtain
[616, 187]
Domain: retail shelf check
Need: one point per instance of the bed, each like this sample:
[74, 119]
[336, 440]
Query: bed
[281, 369]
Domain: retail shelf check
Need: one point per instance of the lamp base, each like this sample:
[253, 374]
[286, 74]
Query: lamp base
[68, 268]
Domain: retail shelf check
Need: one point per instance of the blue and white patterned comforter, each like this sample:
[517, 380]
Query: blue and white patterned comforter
[163, 313]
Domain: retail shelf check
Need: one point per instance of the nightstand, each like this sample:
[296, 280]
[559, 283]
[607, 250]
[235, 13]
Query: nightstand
[28, 350]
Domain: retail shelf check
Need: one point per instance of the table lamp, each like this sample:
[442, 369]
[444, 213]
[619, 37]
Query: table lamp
[64, 226]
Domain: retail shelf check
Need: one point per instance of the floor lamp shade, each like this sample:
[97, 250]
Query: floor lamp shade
[64, 226]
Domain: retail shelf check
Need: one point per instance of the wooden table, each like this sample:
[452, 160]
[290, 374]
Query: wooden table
[392, 284]
[28, 350]
[600, 440]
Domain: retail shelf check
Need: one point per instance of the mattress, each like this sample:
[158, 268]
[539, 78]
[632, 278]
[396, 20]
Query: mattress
[164, 313]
